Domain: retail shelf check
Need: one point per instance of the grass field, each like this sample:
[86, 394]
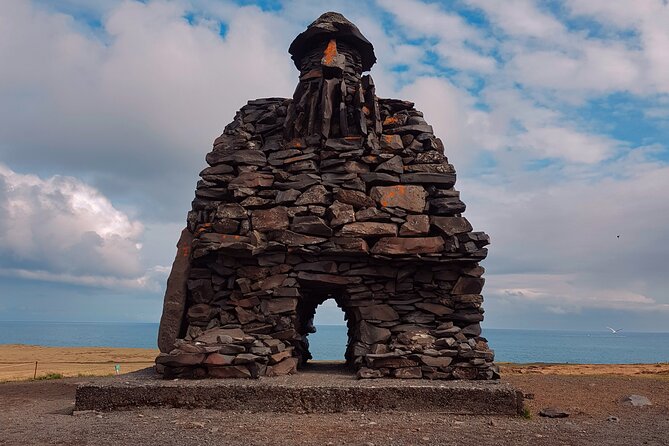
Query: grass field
[17, 362]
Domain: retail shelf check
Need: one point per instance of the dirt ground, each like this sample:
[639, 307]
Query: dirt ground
[40, 412]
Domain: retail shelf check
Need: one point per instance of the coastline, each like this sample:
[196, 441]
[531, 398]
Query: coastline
[17, 362]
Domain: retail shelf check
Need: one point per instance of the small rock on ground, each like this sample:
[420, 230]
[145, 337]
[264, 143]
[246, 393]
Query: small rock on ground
[551, 412]
[637, 401]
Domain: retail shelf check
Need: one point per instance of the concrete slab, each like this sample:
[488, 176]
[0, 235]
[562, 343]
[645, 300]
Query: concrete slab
[325, 387]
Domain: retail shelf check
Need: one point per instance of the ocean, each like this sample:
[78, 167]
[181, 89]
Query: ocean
[329, 342]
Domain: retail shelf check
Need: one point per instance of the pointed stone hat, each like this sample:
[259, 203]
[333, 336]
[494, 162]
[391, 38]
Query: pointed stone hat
[332, 25]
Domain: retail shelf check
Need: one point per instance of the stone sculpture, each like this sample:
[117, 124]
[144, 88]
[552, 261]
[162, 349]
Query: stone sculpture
[335, 193]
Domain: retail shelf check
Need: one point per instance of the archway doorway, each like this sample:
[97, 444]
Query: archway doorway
[338, 337]
[329, 341]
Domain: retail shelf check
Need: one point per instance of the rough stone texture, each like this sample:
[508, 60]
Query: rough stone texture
[363, 229]
[270, 219]
[411, 198]
[552, 412]
[415, 225]
[174, 305]
[637, 401]
[451, 225]
[403, 246]
[333, 193]
[329, 393]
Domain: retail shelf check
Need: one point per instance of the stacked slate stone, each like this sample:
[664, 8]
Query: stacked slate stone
[338, 194]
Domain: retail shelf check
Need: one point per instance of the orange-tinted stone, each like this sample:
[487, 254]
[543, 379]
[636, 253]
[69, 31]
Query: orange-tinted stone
[330, 52]
[411, 198]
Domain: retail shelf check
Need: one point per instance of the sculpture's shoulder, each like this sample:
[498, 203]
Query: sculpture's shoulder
[400, 117]
[259, 118]
[395, 105]
[404, 129]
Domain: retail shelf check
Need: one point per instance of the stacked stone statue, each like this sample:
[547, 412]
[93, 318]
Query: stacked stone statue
[333, 194]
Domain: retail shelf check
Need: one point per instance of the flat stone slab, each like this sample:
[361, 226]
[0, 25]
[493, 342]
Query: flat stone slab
[318, 388]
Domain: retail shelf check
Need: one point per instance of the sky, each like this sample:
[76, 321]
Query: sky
[554, 113]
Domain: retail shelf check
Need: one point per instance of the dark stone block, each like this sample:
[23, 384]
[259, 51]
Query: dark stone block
[251, 179]
[278, 305]
[447, 206]
[468, 285]
[418, 128]
[371, 334]
[356, 199]
[406, 245]
[291, 238]
[445, 180]
[270, 219]
[378, 312]
[243, 157]
[451, 225]
[181, 359]
[364, 229]
[411, 198]
[329, 267]
[377, 178]
[315, 279]
[311, 225]
[174, 305]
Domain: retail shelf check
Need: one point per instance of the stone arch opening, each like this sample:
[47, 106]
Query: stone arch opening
[307, 307]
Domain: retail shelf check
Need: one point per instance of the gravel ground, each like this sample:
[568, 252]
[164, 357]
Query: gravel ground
[35, 413]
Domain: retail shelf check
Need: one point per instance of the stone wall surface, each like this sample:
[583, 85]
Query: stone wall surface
[334, 193]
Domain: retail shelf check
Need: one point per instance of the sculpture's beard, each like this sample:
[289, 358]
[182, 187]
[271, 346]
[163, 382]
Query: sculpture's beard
[332, 99]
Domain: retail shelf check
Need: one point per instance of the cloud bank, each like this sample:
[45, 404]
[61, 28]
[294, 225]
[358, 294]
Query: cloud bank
[60, 229]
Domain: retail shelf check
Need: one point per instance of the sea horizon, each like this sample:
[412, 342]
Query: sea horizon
[329, 342]
[604, 330]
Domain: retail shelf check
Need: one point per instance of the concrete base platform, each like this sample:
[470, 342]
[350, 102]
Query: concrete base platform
[323, 387]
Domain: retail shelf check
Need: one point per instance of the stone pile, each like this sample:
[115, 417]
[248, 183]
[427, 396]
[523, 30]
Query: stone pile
[339, 194]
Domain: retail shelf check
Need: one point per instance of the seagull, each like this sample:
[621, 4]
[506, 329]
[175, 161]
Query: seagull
[614, 331]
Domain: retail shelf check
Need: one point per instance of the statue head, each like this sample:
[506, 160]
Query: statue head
[332, 44]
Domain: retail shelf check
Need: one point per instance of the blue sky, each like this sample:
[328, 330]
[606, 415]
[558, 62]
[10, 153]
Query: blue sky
[555, 114]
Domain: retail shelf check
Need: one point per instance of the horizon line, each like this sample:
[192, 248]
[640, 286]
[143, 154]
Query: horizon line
[604, 329]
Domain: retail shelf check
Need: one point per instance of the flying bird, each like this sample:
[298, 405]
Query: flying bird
[614, 331]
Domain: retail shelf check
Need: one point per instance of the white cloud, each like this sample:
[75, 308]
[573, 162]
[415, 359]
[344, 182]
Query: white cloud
[60, 229]
[561, 142]
[562, 294]
[594, 67]
[153, 280]
[541, 52]
[619, 13]
[520, 18]
[582, 240]
[138, 106]
[459, 43]
[509, 123]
